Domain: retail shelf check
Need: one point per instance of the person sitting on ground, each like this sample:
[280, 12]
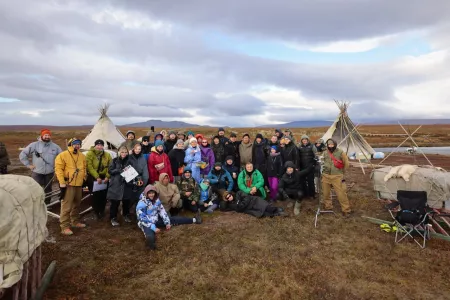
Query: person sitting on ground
[171, 141]
[130, 141]
[218, 148]
[207, 157]
[251, 181]
[151, 216]
[159, 163]
[43, 153]
[176, 157]
[335, 163]
[4, 159]
[256, 206]
[119, 190]
[169, 195]
[146, 147]
[307, 159]
[209, 201]
[275, 170]
[220, 178]
[189, 191]
[227, 200]
[98, 161]
[231, 168]
[290, 186]
[193, 159]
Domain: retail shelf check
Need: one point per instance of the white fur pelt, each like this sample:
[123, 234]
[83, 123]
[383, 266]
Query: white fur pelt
[403, 171]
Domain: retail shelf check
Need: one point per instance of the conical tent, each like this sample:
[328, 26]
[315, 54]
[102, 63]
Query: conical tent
[104, 130]
[346, 135]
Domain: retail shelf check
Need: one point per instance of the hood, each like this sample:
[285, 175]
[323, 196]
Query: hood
[319, 141]
[149, 188]
[334, 141]
[161, 177]
[199, 136]
[289, 164]
[158, 134]
[227, 158]
[146, 138]
[249, 145]
[179, 141]
[305, 137]
[190, 132]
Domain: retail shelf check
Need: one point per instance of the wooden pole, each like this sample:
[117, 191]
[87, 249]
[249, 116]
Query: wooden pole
[24, 285]
[399, 146]
[46, 280]
[39, 265]
[33, 273]
[16, 290]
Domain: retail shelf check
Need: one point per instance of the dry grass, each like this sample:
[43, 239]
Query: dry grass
[235, 256]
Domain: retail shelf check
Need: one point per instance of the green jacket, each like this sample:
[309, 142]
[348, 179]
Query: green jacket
[189, 185]
[328, 165]
[92, 160]
[257, 181]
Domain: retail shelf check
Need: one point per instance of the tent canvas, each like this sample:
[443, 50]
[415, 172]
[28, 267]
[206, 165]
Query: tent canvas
[345, 133]
[104, 130]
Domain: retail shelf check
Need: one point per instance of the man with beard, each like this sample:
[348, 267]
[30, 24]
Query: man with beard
[245, 150]
[290, 152]
[171, 141]
[232, 149]
[70, 169]
[290, 186]
[221, 133]
[334, 166]
[130, 141]
[4, 159]
[260, 153]
[307, 163]
[42, 166]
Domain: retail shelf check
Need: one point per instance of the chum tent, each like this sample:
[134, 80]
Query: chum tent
[347, 136]
[104, 130]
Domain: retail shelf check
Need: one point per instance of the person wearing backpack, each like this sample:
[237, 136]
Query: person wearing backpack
[334, 166]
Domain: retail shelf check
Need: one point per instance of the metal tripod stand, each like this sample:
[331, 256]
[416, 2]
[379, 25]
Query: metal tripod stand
[318, 175]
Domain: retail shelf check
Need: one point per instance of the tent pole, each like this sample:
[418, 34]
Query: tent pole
[353, 142]
[410, 137]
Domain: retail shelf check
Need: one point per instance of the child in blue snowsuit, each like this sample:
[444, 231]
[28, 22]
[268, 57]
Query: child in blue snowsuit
[209, 201]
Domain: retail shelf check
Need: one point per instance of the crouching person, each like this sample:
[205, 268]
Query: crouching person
[189, 191]
[208, 200]
[152, 216]
[256, 206]
[290, 186]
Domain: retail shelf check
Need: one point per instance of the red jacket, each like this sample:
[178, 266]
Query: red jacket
[154, 159]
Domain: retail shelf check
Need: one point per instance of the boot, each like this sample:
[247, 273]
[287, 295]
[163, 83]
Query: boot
[297, 208]
[198, 217]
[150, 240]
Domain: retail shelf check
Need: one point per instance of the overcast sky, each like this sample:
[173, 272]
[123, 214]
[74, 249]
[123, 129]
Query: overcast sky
[236, 63]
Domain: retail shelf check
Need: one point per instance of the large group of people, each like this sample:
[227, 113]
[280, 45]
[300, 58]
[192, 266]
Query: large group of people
[177, 171]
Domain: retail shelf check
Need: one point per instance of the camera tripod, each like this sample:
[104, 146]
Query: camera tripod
[319, 211]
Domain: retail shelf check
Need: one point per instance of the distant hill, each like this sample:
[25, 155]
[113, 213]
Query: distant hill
[409, 122]
[163, 124]
[299, 124]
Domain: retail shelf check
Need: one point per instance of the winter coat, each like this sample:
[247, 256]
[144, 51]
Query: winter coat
[275, 165]
[232, 149]
[221, 179]
[139, 163]
[251, 205]
[146, 150]
[245, 153]
[219, 152]
[290, 153]
[93, 162]
[281, 134]
[47, 152]
[192, 161]
[307, 155]
[129, 144]
[188, 185]
[157, 158]
[232, 169]
[259, 155]
[246, 182]
[328, 164]
[169, 194]
[291, 182]
[4, 158]
[205, 195]
[66, 165]
[148, 211]
[169, 145]
[209, 158]
[223, 140]
[118, 188]
[176, 157]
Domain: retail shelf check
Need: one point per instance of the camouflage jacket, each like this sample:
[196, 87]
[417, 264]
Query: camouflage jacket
[189, 185]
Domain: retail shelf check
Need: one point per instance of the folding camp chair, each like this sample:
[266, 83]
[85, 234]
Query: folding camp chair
[412, 219]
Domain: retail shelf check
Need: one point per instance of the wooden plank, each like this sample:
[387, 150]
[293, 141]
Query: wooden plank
[439, 227]
[33, 273]
[16, 290]
[39, 265]
[444, 219]
[24, 285]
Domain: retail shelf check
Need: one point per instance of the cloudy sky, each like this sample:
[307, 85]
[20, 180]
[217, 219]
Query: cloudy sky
[236, 63]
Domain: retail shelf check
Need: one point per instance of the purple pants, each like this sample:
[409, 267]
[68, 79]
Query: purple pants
[273, 184]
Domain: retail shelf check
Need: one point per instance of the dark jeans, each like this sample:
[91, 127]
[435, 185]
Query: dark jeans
[187, 205]
[45, 181]
[99, 201]
[3, 170]
[174, 221]
[292, 194]
[271, 211]
[308, 184]
[114, 208]
[228, 205]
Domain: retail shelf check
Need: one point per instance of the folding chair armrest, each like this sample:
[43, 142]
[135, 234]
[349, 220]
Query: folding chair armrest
[392, 205]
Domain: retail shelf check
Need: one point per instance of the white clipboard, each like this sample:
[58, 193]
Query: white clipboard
[99, 187]
[129, 173]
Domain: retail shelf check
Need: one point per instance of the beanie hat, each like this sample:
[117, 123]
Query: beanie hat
[99, 142]
[274, 147]
[233, 134]
[45, 131]
[180, 141]
[172, 132]
[193, 140]
[130, 131]
[74, 141]
[221, 129]
[246, 135]
[146, 138]
[190, 132]
[187, 170]
[259, 135]
[217, 164]
[159, 143]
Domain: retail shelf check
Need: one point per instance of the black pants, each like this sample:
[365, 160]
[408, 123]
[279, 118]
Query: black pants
[292, 194]
[271, 211]
[114, 208]
[308, 184]
[3, 170]
[228, 205]
[44, 180]
[187, 205]
[99, 201]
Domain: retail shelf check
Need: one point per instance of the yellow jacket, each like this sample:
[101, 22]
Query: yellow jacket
[66, 164]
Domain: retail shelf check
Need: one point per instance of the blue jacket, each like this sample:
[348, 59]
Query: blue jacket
[220, 179]
[147, 213]
[43, 156]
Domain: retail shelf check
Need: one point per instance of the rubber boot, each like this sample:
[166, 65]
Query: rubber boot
[297, 208]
